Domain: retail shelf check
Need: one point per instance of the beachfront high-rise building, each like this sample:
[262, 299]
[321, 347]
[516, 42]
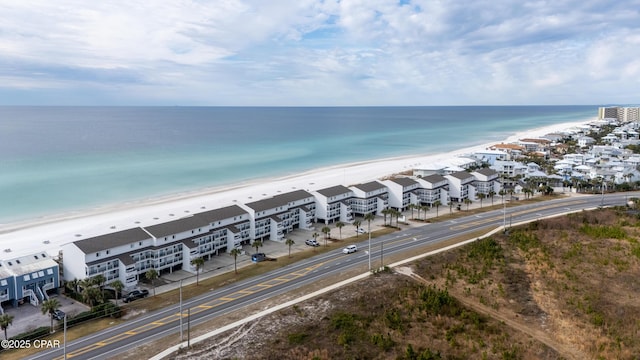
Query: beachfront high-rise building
[622, 114]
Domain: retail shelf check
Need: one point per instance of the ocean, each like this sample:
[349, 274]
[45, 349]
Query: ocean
[60, 159]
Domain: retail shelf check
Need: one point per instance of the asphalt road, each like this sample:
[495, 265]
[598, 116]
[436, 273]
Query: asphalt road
[110, 342]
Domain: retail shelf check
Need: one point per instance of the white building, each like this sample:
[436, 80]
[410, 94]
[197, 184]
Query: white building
[334, 204]
[369, 198]
[274, 217]
[486, 181]
[402, 192]
[126, 255]
[460, 186]
[433, 188]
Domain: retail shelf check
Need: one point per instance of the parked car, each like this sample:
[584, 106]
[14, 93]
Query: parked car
[312, 242]
[58, 314]
[360, 231]
[258, 257]
[350, 249]
[136, 294]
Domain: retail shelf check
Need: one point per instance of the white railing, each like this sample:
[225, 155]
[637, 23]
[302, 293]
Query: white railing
[33, 299]
[40, 294]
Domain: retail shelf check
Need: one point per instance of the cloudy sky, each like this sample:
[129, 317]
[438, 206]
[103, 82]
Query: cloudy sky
[306, 52]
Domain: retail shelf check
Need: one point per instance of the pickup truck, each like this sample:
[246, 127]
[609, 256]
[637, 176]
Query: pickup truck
[136, 294]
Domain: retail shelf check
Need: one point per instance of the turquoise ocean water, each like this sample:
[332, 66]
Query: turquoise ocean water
[58, 159]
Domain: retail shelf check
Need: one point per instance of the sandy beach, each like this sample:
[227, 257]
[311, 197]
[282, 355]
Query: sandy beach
[49, 233]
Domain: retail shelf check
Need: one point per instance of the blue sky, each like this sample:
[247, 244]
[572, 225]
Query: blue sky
[319, 53]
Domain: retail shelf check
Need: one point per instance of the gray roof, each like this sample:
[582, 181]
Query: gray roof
[279, 200]
[177, 226]
[195, 221]
[435, 178]
[462, 175]
[404, 181]
[370, 186]
[221, 213]
[111, 240]
[487, 172]
[334, 191]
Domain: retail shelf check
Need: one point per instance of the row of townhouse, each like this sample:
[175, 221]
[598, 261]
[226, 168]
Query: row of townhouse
[28, 278]
[127, 255]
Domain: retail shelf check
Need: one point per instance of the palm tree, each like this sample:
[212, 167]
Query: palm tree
[369, 218]
[235, 252]
[326, 231]
[502, 193]
[49, 307]
[412, 207]
[468, 202]
[92, 295]
[315, 237]
[117, 285]
[357, 224]
[72, 285]
[5, 321]
[491, 195]
[419, 208]
[424, 208]
[152, 275]
[481, 196]
[98, 280]
[289, 242]
[340, 225]
[386, 212]
[199, 264]
[437, 204]
[257, 244]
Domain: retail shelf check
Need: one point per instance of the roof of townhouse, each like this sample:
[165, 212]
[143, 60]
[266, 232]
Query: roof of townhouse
[462, 175]
[435, 178]
[28, 263]
[486, 171]
[507, 146]
[111, 240]
[404, 181]
[221, 213]
[370, 186]
[278, 200]
[334, 191]
[537, 141]
[177, 226]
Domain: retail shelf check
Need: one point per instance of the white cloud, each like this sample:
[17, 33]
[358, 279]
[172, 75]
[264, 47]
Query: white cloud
[282, 52]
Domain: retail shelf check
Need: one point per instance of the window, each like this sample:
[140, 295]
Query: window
[34, 276]
[49, 271]
[97, 254]
[40, 273]
[108, 252]
[3, 282]
[26, 278]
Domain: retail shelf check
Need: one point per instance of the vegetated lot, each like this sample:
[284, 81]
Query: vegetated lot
[566, 287]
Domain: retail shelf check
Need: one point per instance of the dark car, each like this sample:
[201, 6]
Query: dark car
[258, 257]
[312, 242]
[58, 314]
[136, 294]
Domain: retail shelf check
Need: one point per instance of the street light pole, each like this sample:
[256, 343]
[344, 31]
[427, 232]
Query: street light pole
[181, 338]
[64, 336]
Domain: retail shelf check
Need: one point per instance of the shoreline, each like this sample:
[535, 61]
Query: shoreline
[57, 229]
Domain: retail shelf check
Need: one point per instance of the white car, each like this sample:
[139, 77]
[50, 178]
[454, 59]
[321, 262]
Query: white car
[360, 231]
[350, 249]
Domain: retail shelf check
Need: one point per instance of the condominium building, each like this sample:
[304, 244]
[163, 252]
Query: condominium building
[486, 181]
[433, 188]
[126, 255]
[274, 217]
[334, 204]
[28, 278]
[622, 114]
[401, 192]
[369, 198]
[460, 186]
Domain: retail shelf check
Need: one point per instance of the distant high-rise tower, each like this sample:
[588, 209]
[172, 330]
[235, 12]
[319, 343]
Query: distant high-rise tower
[623, 114]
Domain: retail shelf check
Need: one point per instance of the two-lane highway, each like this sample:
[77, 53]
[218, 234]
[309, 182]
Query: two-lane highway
[110, 342]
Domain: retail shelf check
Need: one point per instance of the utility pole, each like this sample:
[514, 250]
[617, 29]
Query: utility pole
[181, 338]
